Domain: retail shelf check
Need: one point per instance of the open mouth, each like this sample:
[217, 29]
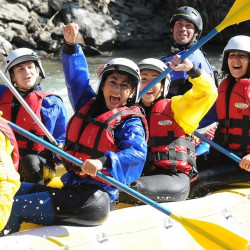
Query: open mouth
[237, 67]
[114, 100]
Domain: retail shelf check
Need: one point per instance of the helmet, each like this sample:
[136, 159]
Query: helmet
[236, 43]
[190, 14]
[126, 66]
[22, 55]
[159, 66]
[239, 43]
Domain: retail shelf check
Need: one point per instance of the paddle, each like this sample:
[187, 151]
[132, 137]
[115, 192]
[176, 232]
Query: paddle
[218, 147]
[27, 107]
[207, 234]
[239, 12]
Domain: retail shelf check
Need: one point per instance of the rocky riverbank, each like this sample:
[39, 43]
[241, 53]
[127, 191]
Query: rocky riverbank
[104, 24]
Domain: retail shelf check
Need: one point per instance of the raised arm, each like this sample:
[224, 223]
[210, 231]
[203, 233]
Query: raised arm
[75, 69]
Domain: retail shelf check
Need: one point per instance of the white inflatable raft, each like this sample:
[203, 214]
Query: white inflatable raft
[143, 227]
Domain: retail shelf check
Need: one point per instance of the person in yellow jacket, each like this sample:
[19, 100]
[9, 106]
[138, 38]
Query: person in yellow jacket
[171, 158]
[9, 177]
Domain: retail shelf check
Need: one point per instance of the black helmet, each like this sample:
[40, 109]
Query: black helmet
[190, 14]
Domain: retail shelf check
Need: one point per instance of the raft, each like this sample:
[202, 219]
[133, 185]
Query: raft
[143, 227]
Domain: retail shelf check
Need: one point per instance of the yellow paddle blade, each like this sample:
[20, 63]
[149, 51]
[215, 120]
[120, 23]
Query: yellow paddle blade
[212, 236]
[238, 13]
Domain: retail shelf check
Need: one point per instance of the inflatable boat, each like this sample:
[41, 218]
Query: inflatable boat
[143, 227]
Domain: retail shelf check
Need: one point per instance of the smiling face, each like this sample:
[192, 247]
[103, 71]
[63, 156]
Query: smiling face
[183, 31]
[25, 75]
[238, 64]
[117, 89]
[154, 93]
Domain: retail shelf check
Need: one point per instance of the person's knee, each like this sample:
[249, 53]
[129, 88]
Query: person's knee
[97, 208]
[36, 169]
[92, 213]
[31, 169]
[160, 188]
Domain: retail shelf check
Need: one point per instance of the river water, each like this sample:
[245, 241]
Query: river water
[54, 81]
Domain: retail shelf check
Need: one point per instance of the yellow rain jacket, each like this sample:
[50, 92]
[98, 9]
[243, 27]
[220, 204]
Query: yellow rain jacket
[191, 107]
[9, 179]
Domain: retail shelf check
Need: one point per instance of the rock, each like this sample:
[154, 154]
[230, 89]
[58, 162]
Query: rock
[23, 41]
[5, 47]
[104, 24]
[97, 30]
[43, 9]
[12, 12]
[18, 28]
[56, 4]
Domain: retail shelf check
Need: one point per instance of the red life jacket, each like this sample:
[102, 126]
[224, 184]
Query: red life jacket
[234, 122]
[90, 138]
[6, 129]
[24, 120]
[169, 146]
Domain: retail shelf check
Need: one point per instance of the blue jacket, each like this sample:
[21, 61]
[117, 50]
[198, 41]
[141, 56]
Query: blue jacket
[54, 115]
[126, 165]
[181, 77]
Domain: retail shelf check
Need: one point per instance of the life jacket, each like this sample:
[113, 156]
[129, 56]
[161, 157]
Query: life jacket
[233, 110]
[5, 128]
[169, 146]
[23, 119]
[179, 79]
[90, 138]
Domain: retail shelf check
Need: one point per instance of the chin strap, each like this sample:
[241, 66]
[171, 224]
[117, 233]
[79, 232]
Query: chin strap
[176, 48]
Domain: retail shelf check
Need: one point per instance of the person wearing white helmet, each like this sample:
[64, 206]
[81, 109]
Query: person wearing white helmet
[233, 112]
[107, 132]
[171, 159]
[186, 26]
[25, 71]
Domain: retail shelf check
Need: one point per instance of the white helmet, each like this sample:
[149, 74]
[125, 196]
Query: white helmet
[22, 55]
[159, 66]
[236, 43]
[123, 65]
[239, 43]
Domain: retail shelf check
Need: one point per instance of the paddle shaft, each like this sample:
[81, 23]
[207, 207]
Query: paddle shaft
[218, 147]
[239, 12]
[78, 162]
[184, 56]
[194, 227]
[27, 107]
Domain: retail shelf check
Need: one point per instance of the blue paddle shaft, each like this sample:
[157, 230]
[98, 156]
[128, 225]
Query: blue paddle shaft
[79, 163]
[218, 147]
[206, 38]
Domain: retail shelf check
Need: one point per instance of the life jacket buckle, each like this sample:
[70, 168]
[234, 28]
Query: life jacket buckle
[227, 123]
[157, 156]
